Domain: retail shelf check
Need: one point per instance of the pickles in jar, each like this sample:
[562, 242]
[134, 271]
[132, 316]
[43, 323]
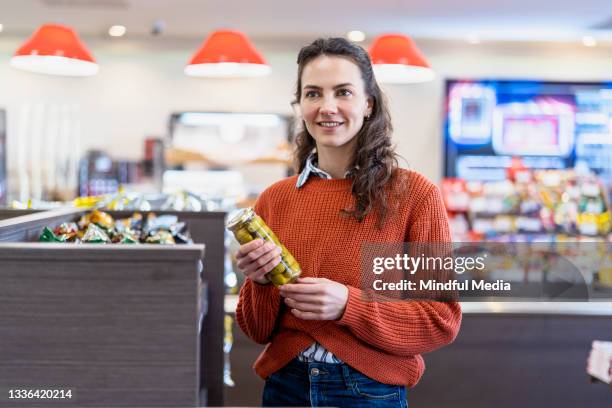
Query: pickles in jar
[246, 226]
[243, 236]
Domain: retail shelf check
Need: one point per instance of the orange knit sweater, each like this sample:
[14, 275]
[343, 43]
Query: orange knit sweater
[383, 340]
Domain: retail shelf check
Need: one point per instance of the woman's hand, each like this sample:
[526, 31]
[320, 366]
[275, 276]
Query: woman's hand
[256, 258]
[315, 298]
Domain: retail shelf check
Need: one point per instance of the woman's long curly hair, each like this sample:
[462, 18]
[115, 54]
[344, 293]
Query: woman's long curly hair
[375, 157]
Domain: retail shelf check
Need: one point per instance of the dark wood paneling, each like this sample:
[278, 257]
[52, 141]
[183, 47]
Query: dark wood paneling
[498, 360]
[205, 227]
[12, 213]
[515, 361]
[27, 228]
[117, 324]
[248, 386]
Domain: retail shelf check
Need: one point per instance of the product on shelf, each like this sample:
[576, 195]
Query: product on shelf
[556, 218]
[95, 235]
[98, 227]
[178, 201]
[134, 201]
[247, 226]
[557, 202]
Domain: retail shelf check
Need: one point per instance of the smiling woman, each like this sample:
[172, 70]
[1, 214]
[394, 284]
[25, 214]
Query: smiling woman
[329, 345]
[333, 110]
[346, 69]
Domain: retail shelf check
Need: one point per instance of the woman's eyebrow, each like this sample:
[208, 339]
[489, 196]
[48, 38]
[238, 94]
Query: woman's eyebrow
[335, 87]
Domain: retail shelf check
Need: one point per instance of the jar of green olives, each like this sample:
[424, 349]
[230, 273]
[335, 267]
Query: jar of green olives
[246, 226]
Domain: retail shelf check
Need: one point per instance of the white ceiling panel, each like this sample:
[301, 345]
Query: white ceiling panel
[510, 20]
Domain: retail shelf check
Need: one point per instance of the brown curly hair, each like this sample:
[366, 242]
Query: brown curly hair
[375, 156]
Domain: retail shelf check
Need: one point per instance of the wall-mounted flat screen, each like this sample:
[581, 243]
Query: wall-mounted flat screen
[549, 125]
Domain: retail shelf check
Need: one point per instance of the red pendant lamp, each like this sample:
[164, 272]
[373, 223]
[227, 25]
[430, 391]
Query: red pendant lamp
[227, 54]
[396, 59]
[56, 50]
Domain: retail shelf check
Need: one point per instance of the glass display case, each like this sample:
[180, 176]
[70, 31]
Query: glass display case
[252, 148]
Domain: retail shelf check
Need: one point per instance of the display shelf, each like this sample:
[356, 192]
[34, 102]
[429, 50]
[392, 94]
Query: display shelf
[104, 273]
[541, 202]
[116, 324]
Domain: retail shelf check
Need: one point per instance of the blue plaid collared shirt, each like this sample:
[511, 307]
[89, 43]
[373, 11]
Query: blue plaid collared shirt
[311, 169]
[316, 353]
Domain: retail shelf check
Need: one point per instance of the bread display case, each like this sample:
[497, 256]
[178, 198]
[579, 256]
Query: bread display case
[118, 325]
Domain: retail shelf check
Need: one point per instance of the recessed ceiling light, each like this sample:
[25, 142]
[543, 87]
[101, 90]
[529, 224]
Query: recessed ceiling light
[356, 35]
[589, 41]
[473, 39]
[117, 31]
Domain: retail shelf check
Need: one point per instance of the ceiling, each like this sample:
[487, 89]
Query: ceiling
[277, 19]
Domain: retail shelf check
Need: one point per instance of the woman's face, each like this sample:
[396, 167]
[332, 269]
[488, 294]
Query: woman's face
[333, 101]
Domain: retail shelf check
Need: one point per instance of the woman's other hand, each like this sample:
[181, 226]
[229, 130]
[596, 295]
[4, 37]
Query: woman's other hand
[256, 258]
[315, 298]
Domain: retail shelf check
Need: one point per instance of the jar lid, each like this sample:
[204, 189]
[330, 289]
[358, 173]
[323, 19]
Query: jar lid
[240, 217]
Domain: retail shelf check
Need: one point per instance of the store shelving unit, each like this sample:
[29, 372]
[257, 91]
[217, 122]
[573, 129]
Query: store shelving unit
[124, 325]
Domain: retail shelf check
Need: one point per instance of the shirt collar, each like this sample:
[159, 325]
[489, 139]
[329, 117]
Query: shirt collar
[311, 169]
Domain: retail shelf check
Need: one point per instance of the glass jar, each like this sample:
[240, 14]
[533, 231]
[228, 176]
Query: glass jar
[246, 226]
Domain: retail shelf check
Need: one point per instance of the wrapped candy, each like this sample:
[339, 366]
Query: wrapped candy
[68, 230]
[100, 227]
[95, 235]
[126, 238]
[102, 219]
[48, 236]
[160, 237]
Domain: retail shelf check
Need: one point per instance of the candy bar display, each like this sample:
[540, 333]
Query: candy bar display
[178, 201]
[166, 279]
[98, 227]
[134, 201]
[550, 203]
[129, 300]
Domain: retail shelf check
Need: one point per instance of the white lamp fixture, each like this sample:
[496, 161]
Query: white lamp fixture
[227, 54]
[55, 50]
[396, 59]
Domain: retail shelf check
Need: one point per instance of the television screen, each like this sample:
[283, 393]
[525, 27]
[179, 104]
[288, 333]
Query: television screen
[549, 125]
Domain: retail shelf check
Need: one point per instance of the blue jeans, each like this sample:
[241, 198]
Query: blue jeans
[328, 385]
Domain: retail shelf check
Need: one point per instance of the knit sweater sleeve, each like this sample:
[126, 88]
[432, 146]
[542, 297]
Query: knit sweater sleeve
[258, 305]
[407, 328]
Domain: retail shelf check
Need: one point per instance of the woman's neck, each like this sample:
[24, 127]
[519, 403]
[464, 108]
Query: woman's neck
[335, 161]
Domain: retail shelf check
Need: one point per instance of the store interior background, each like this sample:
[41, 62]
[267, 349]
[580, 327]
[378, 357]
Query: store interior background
[141, 80]
[141, 83]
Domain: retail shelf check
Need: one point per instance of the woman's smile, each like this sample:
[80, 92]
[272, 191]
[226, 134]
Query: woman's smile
[330, 126]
